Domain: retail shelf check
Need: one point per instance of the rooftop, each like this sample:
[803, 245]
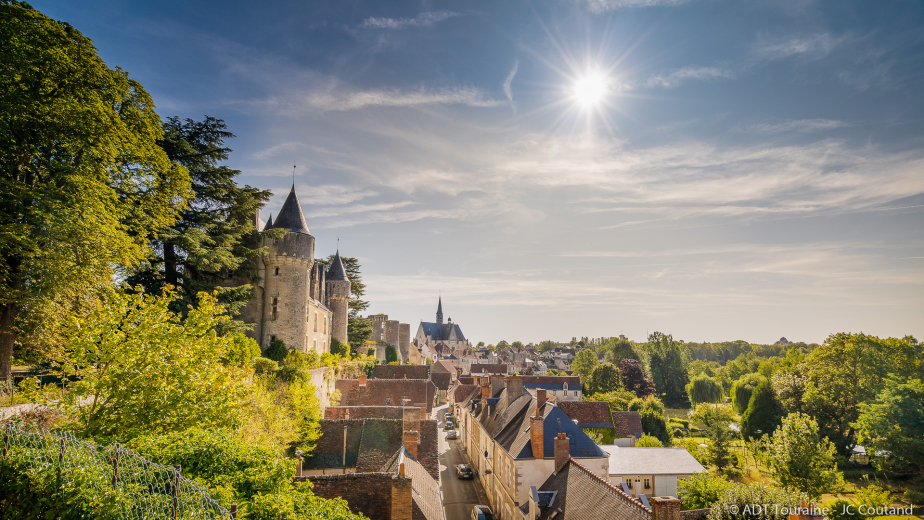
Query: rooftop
[652, 461]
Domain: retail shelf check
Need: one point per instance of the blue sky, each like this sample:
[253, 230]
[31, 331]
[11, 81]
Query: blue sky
[755, 169]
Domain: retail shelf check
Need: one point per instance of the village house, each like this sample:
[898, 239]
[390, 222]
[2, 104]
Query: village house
[650, 471]
[564, 388]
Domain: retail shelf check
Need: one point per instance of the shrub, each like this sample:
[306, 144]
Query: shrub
[873, 496]
[391, 355]
[652, 402]
[241, 350]
[647, 441]
[337, 347]
[701, 491]
[262, 365]
[277, 351]
[654, 424]
[745, 501]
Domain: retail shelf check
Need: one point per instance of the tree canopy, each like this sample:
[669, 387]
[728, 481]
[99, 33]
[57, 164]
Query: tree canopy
[801, 458]
[584, 363]
[83, 182]
[668, 368]
[604, 379]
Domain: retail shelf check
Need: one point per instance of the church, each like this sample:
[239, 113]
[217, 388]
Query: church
[432, 335]
[296, 299]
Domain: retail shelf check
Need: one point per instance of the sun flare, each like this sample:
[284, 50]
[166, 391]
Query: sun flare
[591, 89]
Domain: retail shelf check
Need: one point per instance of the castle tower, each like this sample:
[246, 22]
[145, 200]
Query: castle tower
[338, 298]
[287, 278]
[439, 312]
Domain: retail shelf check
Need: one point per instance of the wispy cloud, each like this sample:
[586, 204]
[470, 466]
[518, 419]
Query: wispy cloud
[812, 47]
[602, 6]
[337, 100]
[508, 91]
[425, 19]
[796, 125]
[675, 78]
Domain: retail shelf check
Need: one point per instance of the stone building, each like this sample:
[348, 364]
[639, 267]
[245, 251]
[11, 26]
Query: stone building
[296, 299]
[431, 333]
[395, 334]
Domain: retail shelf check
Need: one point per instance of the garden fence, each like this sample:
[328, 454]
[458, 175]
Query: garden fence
[143, 489]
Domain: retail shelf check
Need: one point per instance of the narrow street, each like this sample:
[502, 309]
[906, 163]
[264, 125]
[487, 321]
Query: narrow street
[459, 496]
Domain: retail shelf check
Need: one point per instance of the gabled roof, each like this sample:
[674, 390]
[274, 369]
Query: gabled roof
[627, 423]
[652, 461]
[490, 368]
[401, 372]
[427, 500]
[442, 380]
[581, 495]
[290, 216]
[588, 414]
[441, 331]
[369, 444]
[336, 270]
[462, 392]
[444, 366]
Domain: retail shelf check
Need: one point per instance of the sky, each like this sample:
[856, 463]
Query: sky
[738, 170]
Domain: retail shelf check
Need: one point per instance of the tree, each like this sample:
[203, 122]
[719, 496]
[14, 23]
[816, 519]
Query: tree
[517, 344]
[83, 183]
[668, 369]
[604, 379]
[391, 354]
[146, 369]
[654, 424]
[801, 458]
[742, 389]
[502, 345]
[277, 351]
[652, 402]
[704, 389]
[584, 363]
[633, 378]
[214, 239]
[359, 329]
[647, 441]
[336, 347]
[716, 419]
[747, 501]
[702, 490]
[764, 412]
[893, 423]
[618, 349]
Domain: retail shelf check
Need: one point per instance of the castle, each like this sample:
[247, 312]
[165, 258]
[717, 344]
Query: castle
[296, 299]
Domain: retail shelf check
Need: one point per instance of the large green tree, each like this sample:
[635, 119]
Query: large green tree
[763, 414]
[83, 182]
[668, 369]
[359, 329]
[604, 379]
[894, 423]
[801, 458]
[208, 249]
[704, 389]
[584, 364]
[742, 389]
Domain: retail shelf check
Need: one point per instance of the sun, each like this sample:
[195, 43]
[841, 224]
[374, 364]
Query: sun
[591, 89]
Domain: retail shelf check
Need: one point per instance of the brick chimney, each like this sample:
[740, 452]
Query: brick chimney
[540, 398]
[485, 391]
[563, 452]
[497, 384]
[514, 388]
[402, 503]
[665, 508]
[536, 437]
[362, 379]
[411, 438]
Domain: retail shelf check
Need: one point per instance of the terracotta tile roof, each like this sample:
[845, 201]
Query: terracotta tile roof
[444, 366]
[428, 451]
[588, 414]
[442, 380]
[427, 500]
[627, 423]
[401, 372]
[461, 392]
[582, 495]
[387, 392]
[467, 380]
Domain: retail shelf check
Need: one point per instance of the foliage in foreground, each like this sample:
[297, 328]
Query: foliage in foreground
[738, 502]
[800, 458]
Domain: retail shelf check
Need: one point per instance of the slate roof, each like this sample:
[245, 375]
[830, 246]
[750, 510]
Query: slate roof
[442, 380]
[628, 423]
[558, 381]
[401, 372]
[387, 392]
[588, 414]
[328, 453]
[489, 368]
[652, 461]
[336, 270]
[427, 500]
[441, 331]
[581, 495]
[290, 216]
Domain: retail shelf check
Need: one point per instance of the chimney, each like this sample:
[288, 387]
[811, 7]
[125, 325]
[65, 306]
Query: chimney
[514, 388]
[485, 391]
[362, 379]
[402, 501]
[665, 508]
[497, 384]
[540, 399]
[411, 438]
[536, 437]
[563, 452]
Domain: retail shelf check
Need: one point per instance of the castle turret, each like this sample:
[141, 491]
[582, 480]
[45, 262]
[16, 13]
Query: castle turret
[439, 311]
[338, 298]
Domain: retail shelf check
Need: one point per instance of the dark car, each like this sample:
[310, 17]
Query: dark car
[464, 471]
[452, 435]
[448, 416]
[482, 513]
[448, 425]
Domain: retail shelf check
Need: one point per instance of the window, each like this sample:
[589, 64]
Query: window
[629, 483]
[575, 393]
[276, 273]
[388, 400]
[275, 309]
[647, 484]
[315, 321]
[315, 345]
[325, 324]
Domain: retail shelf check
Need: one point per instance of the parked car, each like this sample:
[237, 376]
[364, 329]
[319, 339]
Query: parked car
[464, 471]
[448, 425]
[482, 513]
[452, 435]
[448, 416]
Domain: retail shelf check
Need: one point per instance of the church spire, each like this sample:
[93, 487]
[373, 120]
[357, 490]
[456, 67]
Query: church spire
[439, 311]
[290, 216]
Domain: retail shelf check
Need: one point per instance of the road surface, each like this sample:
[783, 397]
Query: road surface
[459, 496]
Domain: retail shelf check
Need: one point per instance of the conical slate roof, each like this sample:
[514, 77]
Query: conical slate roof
[336, 270]
[290, 216]
[269, 223]
[439, 308]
